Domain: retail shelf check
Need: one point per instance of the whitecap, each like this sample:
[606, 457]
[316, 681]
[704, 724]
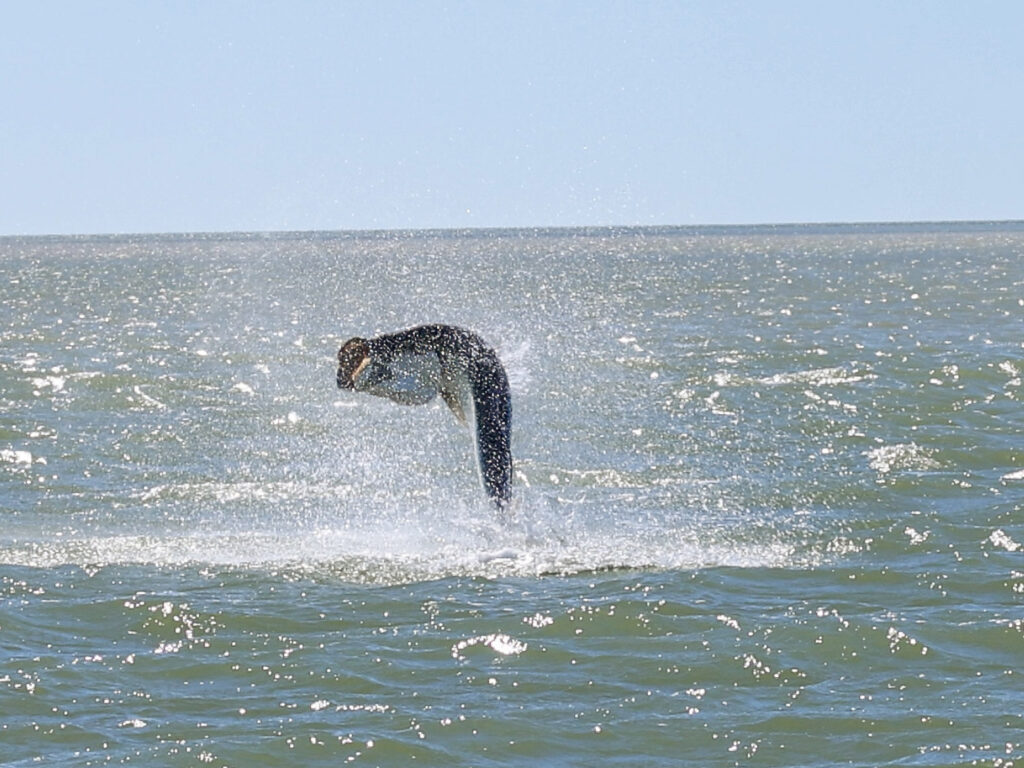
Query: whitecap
[506, 645]
[906, 456]
[15, 456]
[999, 538]
[55, 383]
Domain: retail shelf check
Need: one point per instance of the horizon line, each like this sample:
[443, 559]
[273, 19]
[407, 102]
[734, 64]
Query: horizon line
[547, 228]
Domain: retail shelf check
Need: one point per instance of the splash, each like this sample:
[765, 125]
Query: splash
[406, 543]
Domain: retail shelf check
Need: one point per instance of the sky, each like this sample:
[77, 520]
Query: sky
[137, 117]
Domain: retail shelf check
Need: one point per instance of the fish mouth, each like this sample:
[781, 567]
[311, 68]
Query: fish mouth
[359, 369]
[349, 382]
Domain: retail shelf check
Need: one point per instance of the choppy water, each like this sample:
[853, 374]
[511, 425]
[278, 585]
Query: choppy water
[770, 502]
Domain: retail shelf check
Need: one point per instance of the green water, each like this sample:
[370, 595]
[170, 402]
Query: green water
[769, 501]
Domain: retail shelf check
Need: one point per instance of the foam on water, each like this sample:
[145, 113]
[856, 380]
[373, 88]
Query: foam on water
[403, 542]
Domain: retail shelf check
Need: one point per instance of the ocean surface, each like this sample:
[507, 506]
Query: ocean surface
[769, 501]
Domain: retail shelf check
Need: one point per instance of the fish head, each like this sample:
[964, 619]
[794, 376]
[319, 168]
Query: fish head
[353, 359]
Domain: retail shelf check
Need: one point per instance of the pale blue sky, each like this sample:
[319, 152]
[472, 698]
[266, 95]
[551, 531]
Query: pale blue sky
[212, 116]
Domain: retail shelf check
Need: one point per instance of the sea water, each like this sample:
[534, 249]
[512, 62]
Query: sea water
[769, 501]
